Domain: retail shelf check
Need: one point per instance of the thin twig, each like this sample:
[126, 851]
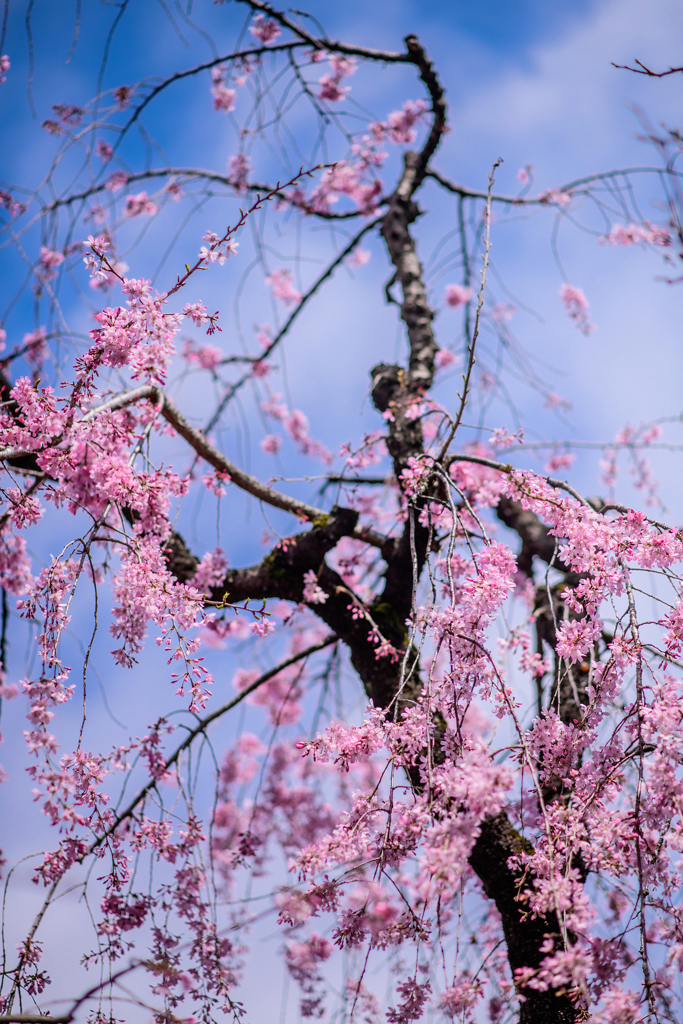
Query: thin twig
[475, 333]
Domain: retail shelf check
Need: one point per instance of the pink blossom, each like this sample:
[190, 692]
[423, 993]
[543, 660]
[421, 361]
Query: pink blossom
[576, 305]
[139, 204]
[503, 313]
[265, 337]
[260, 368]
[207, 356]
[313, 594]
[140, 335]
[104, 151]
[359, 257]
[330, 85]
[217, 251]
[502, 438]
[239, 168]
[48, 262]
[367, 197]
[264, 29]
[331, 90]
[634, 234]
[460, 998]
[444, 357]
[559, 461]
[343, 65]
[5, 65]
[223, 97]
[263, 627]
[295, 907]
[620, 1007]
[211, 570]
[414, 997]
[271, 444]
[576, 637]
[296, 424]
[302, 960]
[280, 283]
[402, 122]
[24, 510]
[556, 197]
[122, 95]
[554, 401]
[117, 180]
[374, 903]
[216, 482]
[457, 295]
[35, 345]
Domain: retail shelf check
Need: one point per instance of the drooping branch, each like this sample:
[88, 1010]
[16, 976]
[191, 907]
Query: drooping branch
[200, 729]
[282, 573]
[569, 690]
[203, 175]
[507, 468]
[255, 51]
[546, 198]
[472, 339]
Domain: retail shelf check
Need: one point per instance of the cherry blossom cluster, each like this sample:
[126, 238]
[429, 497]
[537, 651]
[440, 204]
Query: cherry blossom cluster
[217, 250]
[427, 839]
[264, 29]
[331, 88]
[223, 96]
[639, 234]
[296, 424]
[371, 819]
[576, 304]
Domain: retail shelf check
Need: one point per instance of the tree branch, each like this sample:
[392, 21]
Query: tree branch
[34, 1018]
[281, 575]
[327, 44]
[544, 199]
[642, 70]
[203, 447]
[201, 727]
[196, 172]
[250, 483]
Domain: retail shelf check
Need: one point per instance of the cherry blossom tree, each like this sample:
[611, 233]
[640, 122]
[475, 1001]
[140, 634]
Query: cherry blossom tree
[465, 765]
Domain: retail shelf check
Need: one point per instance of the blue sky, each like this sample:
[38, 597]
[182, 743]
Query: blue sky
[529, 81]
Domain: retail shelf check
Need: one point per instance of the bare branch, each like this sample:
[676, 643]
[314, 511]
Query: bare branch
[327, 44]
[642, 70]
[544, 199]
[467, 376]
[250, 483]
